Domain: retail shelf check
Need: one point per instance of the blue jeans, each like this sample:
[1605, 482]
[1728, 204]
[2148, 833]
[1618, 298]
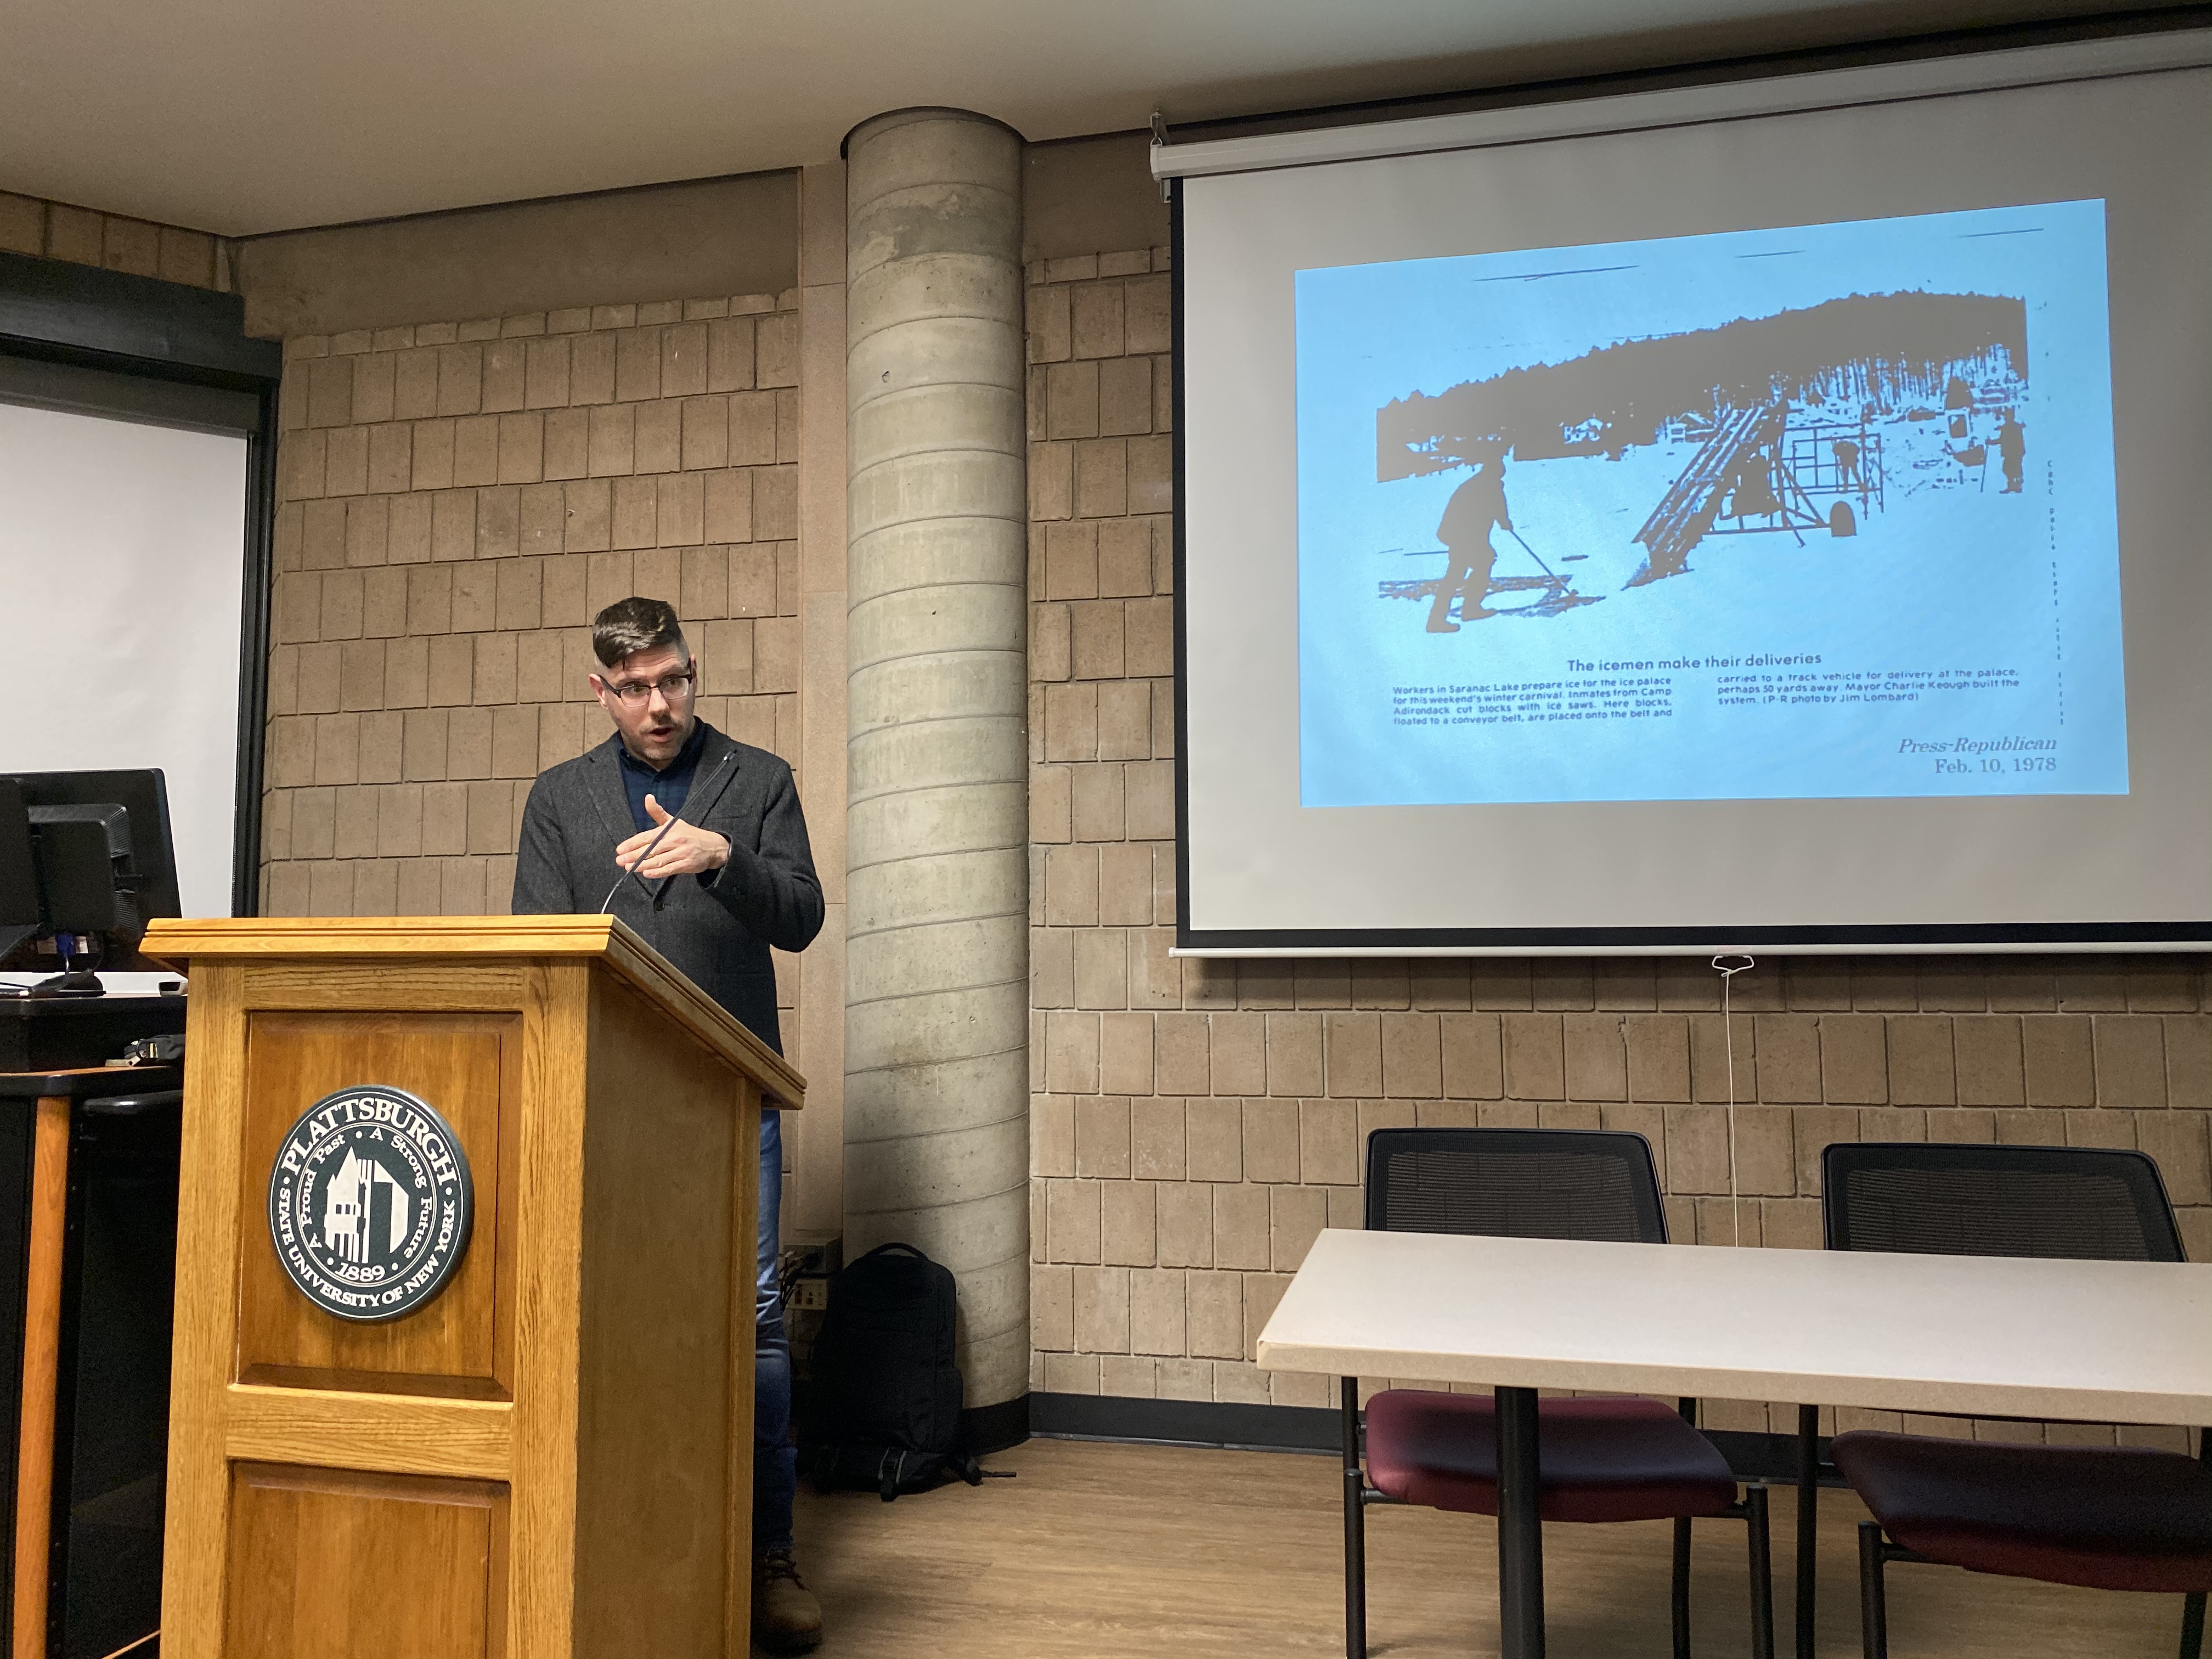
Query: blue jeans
[776, 1462]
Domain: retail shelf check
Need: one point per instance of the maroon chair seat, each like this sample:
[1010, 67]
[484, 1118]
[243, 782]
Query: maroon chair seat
[1602, 1460]
[2123, 1519]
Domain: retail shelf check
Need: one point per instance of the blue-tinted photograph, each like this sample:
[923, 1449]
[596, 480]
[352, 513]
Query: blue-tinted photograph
[1822, 511]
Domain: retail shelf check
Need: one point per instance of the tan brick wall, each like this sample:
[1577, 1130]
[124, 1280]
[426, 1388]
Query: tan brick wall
[456, 500]
[55, 230]
[1194, 1124]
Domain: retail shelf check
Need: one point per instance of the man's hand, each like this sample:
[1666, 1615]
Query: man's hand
[684, 850]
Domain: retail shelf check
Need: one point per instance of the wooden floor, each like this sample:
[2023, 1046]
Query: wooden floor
[1102, 1551]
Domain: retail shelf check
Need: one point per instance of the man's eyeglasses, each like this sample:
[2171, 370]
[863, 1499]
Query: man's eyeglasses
[671, 687]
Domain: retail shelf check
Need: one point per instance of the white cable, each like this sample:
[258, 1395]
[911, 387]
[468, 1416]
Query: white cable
[1727, 1040]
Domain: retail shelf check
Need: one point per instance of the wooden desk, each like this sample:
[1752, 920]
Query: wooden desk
[2104, 1341]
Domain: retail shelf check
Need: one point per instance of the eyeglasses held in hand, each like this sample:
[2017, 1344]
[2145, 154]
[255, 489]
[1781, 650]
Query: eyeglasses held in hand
[671, 687]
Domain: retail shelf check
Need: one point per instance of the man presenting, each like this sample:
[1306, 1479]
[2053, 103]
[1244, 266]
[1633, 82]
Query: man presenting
[698, 843]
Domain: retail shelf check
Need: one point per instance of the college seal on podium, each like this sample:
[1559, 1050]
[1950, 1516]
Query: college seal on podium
[370, 1202]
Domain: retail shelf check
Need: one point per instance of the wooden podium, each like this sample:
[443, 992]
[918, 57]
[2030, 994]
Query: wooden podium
[551, 1459]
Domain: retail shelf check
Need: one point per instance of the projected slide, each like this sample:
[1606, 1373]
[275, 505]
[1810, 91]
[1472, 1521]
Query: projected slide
[1819, 512]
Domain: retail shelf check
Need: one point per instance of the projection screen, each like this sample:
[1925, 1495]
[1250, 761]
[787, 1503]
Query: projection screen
[122, 577]
[1765, 514]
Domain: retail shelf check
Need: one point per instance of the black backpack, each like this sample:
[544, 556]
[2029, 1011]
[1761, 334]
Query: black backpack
[888, 1412]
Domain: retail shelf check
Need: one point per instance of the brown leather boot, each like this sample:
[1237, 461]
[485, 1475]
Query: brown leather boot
[786, 1619]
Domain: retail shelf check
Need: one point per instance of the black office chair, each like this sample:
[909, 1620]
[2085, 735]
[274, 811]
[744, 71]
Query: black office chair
[1603, 1459]
[2106, 1518]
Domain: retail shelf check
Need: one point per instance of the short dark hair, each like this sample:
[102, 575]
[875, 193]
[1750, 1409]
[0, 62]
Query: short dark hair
[630, 626]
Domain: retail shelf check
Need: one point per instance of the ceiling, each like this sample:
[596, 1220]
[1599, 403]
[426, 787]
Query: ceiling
[246, 116]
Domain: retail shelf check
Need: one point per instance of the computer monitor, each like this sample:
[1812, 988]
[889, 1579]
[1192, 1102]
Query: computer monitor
[18, 874]
[100, 864]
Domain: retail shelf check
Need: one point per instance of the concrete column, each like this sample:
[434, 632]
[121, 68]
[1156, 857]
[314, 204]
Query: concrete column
[814, 1139]
[936, 940]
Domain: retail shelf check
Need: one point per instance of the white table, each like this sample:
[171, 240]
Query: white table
[2099, 1341]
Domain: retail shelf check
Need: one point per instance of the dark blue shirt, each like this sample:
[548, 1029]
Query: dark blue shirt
[671, 787]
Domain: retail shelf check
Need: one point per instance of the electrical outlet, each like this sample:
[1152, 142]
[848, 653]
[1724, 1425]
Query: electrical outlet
[811, 1295]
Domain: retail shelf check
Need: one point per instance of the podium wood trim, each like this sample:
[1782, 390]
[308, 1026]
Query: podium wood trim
[604, 938]
[467, 1439]
[621, 1256]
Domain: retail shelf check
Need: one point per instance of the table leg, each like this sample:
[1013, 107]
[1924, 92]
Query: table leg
[1355, 1528]
[1520, 1528]
[1808, 1521]
[42, 1325]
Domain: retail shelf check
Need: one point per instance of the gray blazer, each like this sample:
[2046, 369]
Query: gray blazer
[716, 928]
